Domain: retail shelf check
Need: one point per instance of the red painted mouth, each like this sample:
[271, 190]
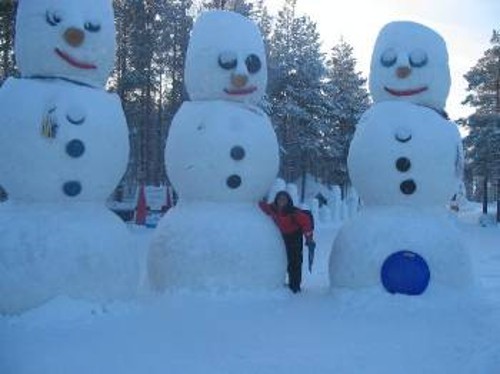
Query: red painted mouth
[70, 60]
[242, 91]
[416, 91]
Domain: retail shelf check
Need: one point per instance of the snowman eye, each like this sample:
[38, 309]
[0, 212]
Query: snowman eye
[92, 27]
[253, 64]
[52, 18]
[388, 58]
[418, 58]
[228, 60]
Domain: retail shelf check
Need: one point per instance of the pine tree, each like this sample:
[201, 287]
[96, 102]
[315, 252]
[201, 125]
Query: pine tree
[176, 25]
[238, 6]
[482, 145]
[260, 14]
[7, 18]
[347, 96]
[484, 79]
[152, 43]
[298, 106]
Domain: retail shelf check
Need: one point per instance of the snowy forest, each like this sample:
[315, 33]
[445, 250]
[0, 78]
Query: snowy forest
[314, 97]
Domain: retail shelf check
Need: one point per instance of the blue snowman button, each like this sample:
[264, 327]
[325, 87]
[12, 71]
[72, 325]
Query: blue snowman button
[405, 272]
[75, 148]
[72, 188]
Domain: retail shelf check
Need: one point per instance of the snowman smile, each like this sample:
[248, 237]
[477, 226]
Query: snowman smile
[73, 62]
[240, 91]
[409, 92]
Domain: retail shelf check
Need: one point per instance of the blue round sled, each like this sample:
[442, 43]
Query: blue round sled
[405, 272]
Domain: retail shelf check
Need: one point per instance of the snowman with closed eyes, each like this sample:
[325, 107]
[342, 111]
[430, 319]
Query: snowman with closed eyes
[221, 157]
[63, 149]
[405, 161]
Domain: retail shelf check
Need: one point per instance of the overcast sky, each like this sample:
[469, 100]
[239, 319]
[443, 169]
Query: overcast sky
[466, 25]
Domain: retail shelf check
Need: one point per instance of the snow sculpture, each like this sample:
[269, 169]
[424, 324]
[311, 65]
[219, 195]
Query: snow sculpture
[221, 156]
[410, 63]
[64, 147]
[404, 162]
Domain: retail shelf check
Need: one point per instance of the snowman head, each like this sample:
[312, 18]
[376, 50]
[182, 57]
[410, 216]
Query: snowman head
[226, 59]
[69, 39]
[410, 63]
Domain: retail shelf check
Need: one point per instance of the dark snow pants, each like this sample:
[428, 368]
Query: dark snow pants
[294, 249]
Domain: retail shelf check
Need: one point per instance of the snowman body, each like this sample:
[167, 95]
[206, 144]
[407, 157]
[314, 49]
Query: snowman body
[75, 162]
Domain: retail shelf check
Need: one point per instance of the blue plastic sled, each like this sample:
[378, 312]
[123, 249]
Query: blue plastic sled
[405, 272]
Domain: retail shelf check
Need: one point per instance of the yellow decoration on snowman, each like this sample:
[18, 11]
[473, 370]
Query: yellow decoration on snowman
[49, 124]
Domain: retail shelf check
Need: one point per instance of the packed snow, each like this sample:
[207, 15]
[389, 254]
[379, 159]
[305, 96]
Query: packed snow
[364, 244]
[317, 331]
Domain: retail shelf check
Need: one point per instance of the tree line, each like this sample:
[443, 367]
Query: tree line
[314, 98]
[482, 144]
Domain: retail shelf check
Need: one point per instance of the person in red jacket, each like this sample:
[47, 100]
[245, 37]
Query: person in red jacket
[293, 224]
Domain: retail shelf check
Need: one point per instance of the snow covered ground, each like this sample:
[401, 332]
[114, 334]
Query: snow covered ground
[362, 332]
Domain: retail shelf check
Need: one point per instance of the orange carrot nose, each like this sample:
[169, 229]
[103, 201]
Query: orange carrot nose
[403, 72]
[74, 37]
[239, 80]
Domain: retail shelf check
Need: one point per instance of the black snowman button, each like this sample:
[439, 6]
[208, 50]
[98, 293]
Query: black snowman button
[408, 187]
[403, 134]
[238, 153]
[234, 181]
[76, 115]
[72, 188]
[403, 164]
[75, 148]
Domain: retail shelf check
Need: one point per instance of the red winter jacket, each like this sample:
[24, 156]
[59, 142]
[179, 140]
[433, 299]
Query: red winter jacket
[289, 223]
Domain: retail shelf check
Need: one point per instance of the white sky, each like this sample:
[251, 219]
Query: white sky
[466, 25]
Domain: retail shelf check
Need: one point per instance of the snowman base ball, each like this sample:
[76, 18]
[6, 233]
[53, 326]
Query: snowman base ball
[362, 250]
[208, 246]
[405, 272]
[79, 250]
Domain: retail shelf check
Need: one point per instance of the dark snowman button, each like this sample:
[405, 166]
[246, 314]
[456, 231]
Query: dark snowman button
[408, 187]
[72, 188]
[403, 164]
[75, 148]
[237, 153]
[76, 115]
[233, 182]
[403, 135]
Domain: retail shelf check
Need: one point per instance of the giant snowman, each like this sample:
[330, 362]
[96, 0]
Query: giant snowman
[63, 149]
[405, 162]
[221, 157]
